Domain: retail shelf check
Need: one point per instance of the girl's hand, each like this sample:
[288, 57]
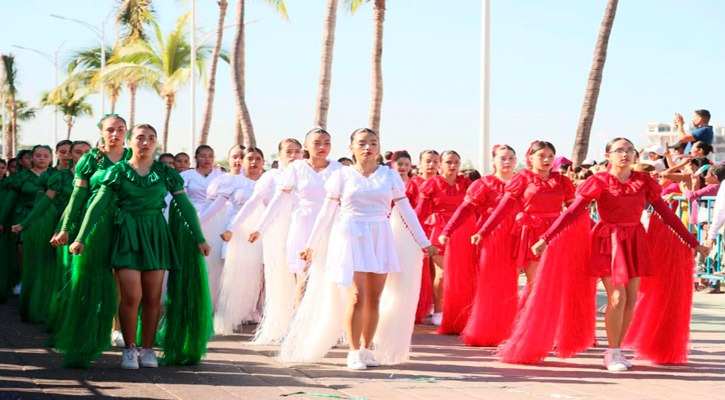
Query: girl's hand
[709, 243]
[227, 235]
[443, 239]
[539, 247]
[476, 239]
[76, 248]
[60, 239]
[431, 250]
[205, 249]
[253, 237]
[16, 229]
[705, 251]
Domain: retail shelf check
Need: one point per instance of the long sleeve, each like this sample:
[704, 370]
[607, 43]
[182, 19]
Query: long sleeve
[718, 217]
[322, 222]
[188, 212]
[578, 207]
[95, 210]
[212, 209]
[709, 190]
[465, 210]
[41, 206]
[670, 218]
[424, 208]
[11, 200]
[504, 209]
[410, 219]
[273, 209]
[78, 198]
[255, 201]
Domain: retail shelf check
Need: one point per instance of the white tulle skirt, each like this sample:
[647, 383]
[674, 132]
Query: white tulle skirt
[302, 221]
[399, 301]
[212, 228]
[241, 279]
[280, 293]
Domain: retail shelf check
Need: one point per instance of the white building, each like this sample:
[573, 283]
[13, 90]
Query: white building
[665, 134]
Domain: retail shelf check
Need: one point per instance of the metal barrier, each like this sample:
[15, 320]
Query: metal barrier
[707, 266]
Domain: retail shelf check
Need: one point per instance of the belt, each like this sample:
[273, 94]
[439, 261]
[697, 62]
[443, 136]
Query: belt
[615, 240]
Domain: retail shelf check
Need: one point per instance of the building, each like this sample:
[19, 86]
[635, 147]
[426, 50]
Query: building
[665, 134]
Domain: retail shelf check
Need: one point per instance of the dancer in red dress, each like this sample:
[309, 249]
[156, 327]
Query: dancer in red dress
[439, 198]
[540, 194]
[403, 164]
[560, 311]
[428, 163]
[494, 307]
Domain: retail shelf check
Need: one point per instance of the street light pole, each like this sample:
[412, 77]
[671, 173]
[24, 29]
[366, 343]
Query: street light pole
[193, 75]
[484, 152]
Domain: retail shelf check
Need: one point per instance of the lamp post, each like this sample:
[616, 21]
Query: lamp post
[101, 33]
[484, 152]
[53, 60]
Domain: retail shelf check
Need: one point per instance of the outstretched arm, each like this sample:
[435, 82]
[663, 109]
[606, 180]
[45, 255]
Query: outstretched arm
[504, 209]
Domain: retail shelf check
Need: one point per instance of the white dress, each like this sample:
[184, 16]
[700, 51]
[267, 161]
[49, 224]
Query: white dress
[241, 278]
[195, 186]
[361, 239]
[309, 193]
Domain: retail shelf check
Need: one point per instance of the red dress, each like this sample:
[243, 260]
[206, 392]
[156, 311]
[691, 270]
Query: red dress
[411, 189]
[437, 203]
[425, 299]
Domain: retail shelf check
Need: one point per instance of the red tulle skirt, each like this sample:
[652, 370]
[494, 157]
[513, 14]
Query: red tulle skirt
[527, 229]
[425, 298]
[459, 283]
[495, 304]
[660, 329]
[620, 251]
[560, 310]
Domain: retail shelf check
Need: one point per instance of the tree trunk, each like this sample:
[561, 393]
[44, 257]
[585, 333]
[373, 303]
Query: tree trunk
[238, 134]
[238, 78]
[208, 108]
[376, 96]
[69, 125]
[132, 87]
[328, 44]
[13, 136]
[167, 117]
[584, 128]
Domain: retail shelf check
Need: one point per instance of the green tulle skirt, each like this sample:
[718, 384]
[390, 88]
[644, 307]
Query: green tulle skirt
[188, 325]
[10, 265]
[59, 302]
[84, 330]
[39, 272]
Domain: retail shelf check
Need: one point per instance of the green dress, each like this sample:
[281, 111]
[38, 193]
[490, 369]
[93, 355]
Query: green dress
[10, 267]
[143, 241]
[84, 325]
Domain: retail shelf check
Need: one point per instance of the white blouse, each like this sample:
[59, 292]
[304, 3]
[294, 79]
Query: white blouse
[195, 185]
[308, 185]
[364, 198]
[237, 189]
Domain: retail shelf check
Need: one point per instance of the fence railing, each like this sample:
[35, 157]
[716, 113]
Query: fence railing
[705, 266]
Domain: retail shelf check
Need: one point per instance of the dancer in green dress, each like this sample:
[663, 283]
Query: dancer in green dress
[57, 186]
[84, 330]
[10, 268]
[144, 246]
[20, 201]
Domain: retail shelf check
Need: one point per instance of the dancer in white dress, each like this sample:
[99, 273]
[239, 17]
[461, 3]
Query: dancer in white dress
[241, 277]
[361, 250]
[279, 291]
[306, 178]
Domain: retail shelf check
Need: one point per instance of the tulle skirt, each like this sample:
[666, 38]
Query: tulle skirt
[212, 228]
[241, 278]
[39, 274]
[302, 221]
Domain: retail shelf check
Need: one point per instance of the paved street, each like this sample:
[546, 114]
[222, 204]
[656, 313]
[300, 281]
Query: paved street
[441, 368]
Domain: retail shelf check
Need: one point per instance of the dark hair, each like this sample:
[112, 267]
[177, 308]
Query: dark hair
[2, 161]
[343, 159]
[611, 143]
[699, 162]
[250, 150]
[361, 130]
[502, 147]
[541, 145]
[718, 171]
[142, 126]
[287, 141]
[79, 142]
[12, 161]
[317, 129]
[706, 148]
[565, 166]
[400, 154]
[388, 155]
[471, 174]
[23, 153]
[64, 142]
[584, 174]
[703, 114]
[41, 146]
[200, 148]
[424, 152]
[235, 147]
[162, 155]
[447, 152]
[107, 116]
[181, 154]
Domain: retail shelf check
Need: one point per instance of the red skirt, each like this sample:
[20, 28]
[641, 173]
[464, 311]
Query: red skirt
[620, 251]
[527, 229]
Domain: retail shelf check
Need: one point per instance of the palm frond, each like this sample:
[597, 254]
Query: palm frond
[278, 5]
[352, 6]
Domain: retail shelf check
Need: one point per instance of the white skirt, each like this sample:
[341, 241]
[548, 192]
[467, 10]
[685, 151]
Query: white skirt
[361, 245]
[241, 279]
[302, 221]
[212, 228]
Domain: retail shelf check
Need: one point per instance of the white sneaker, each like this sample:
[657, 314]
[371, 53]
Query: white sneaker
[612, 362]
[436, 318]
[354, 360]
[129, 359]
[16, 290]
[367, 357]
[117, 339]
[148, 358]
[621, 358]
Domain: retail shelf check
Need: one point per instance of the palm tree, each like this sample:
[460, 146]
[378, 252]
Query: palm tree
[238, 69]
[9, 90]
[163, 64]
[84, 71]
[70, 100]
[24, 112]
[328, 43]
[209, 106]
[584, 128]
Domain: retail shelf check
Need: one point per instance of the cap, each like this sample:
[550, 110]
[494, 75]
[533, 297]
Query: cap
[676, 145]
[657, 149]
[589, 162]
[658, 165]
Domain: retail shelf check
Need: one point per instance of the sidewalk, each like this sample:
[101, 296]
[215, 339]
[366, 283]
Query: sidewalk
[441, 368]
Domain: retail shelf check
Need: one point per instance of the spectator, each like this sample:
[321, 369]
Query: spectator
[471, 174]
[588, 163]
[703, 131]
[564, 169]
[388, 160]
[275, 164]
[345, 161]
[168, 159]
[656, 154]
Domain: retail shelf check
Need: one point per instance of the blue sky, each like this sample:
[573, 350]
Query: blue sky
[665, 56]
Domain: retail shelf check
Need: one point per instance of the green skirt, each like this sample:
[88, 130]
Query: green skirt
[39, 273]
[59, 301]
[85, 330]
[142, 241]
